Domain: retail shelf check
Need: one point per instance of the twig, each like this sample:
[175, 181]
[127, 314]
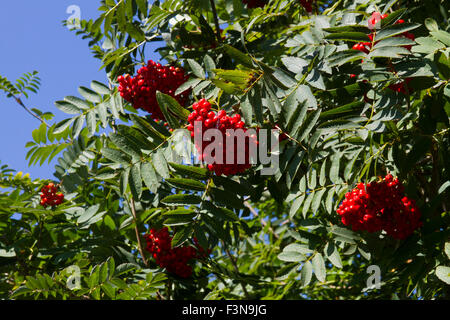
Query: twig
[28, 110]
[138, 237]
[216, 21]
[236, 269]
[264, 223]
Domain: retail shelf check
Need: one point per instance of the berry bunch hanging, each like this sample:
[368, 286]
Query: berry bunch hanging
[141, 90]
[175, 260]
[221, 121]
[380, 206]
[50, 196]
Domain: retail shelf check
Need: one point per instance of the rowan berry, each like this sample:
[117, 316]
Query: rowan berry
[50, 196]
[141, 90]
[222, 122]
[381, 205]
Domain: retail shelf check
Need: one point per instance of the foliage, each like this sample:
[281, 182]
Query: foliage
[271, 237]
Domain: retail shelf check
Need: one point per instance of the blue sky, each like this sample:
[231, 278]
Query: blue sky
[34, 38]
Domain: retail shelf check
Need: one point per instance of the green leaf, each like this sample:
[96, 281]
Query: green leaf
[186, 184]
[135, 181]
[443, 273]
[348, 36]
[295, 64]
[319, 267]
[392, 17]
[346, 56]
[444, 187]
[301, 248]
[173, 106]
[443, 64]
[306, 274]
[78, 125]
[149, 176]
[191, 83]
[181, 200]
[90, 95]
[179, 219]
[332, 254]
[196, 68]
[291, 256]
[124, 145]
[67, 107]
[394, 42]
[307, 204]
[165, 103]
[447, 249]
[389, 52]
[181, 236]
[442, 36]
[79, 103]
[317, 200]
[308, 125]
[63, 125]
[345, 29]
[334, 170]
[135, 32]
[88, 214]
[190, 171]
[115, 155]
[394, 30]
[238, 55]
[296, 205]
[160, 164]
[100, 88]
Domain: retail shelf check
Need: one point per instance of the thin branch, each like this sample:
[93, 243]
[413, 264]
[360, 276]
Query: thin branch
[216, 21]
[28, 110]
[236, 269]
[138, 237]
[264, 223]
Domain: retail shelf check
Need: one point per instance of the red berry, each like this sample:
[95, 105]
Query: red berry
[49, 196]
[141, 90]
[380, 206]
[222, 122]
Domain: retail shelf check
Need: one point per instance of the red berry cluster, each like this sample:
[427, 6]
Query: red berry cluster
[221, 121]
[50, 196]
[140, 90]
[175, 260]
[380, 206]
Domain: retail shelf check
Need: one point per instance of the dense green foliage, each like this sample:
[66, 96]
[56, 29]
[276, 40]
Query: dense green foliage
[272, 237]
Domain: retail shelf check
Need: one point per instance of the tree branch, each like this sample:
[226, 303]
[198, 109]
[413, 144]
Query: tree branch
[138, 236]
[28, 110]
[255, 214]
[236, 269]
[216, 21]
